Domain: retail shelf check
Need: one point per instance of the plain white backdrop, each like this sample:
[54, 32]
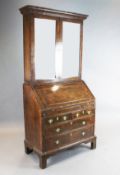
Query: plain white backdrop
[101, 72]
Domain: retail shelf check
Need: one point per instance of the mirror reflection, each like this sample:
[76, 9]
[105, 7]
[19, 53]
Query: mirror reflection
[56, 60]
[44, 48]
[71, 47]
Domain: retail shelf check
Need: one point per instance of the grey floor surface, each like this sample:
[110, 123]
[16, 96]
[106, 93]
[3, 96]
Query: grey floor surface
[105, 160]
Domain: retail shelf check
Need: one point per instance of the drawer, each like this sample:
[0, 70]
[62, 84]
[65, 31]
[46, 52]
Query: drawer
[68, 116]
[87, 112]
[69, 138]
[57, 129]
[67, 126]
[57, 119]
[82, 122]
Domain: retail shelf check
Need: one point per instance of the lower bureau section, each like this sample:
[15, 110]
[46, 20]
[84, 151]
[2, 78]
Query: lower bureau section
[69, 138]
[57, 120]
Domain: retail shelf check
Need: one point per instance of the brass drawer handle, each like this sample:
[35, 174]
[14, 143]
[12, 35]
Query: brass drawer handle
[50, 121]
[84, 122]
[83, 133]
[57, 142]
[77, 115]
[57, 118]
[58, 130]
[88, 112]
[65, 117]
[83, 112]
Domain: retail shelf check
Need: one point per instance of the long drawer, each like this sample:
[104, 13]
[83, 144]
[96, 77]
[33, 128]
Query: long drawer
[69, 138]
[67, 126]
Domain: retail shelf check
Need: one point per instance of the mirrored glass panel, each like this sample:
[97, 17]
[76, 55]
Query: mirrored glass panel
[71, 48]
[44, 48]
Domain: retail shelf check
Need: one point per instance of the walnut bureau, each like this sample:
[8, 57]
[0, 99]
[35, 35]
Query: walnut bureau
[59, 113]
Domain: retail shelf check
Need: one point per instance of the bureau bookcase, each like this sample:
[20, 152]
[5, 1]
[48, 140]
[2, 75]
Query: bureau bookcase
[59, 108]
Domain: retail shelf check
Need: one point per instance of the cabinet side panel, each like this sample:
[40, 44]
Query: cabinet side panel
[32, 117]
[38, 139]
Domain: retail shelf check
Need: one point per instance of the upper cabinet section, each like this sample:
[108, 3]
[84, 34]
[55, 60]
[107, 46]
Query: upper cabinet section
[53, 43]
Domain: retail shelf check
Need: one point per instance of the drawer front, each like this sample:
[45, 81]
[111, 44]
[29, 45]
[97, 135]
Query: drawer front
[83, 122]
[57, 129]
[83, 113]
[68, 126]
[57, 119]
[69, 138]
[68, 117]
